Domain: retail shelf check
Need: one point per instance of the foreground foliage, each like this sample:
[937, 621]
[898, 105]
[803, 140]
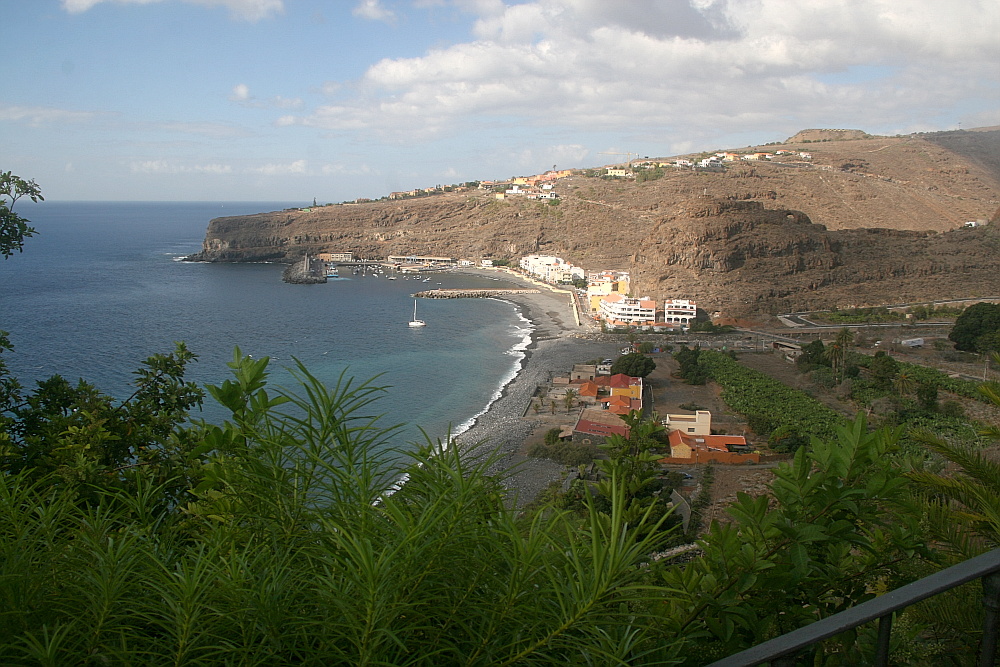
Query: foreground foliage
[289, 549]
[825, 540]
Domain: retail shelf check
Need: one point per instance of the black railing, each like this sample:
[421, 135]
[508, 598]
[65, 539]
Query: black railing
[782, 651]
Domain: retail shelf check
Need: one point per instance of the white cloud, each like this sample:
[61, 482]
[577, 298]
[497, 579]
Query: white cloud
[373, 10]
[272, 169]
[210, 130]
[167, 167]
[682, 68]
[345, 170]
[241, 95]
[246, 10]
[38, 116]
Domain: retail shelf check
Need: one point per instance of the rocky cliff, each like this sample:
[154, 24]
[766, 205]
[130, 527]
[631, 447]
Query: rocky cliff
[864, 221]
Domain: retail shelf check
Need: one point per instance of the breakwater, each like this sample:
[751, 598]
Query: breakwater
[471, 293]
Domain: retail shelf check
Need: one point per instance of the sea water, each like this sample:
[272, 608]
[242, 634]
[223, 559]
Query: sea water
[100, 288]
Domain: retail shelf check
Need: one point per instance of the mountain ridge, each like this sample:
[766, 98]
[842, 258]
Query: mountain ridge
[862, 221]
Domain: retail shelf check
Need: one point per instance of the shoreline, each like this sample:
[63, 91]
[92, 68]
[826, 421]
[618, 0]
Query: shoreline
[553, 349]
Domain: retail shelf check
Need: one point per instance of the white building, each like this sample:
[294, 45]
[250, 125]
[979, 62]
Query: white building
[680, 311]
[550, 269]
[700, 423]
[618, 309]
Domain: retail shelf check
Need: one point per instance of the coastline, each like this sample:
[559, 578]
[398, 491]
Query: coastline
[553, 349]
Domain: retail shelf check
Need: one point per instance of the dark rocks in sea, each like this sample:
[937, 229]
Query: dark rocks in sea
[297, 274]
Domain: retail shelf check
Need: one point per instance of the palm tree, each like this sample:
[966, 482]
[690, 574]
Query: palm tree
[568, 401]
[964, 506]
[904, 383]
[837, 352]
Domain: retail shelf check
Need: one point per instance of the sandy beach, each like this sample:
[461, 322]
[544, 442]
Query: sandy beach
[555, 347]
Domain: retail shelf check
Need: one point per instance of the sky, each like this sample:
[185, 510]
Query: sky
[295, 100]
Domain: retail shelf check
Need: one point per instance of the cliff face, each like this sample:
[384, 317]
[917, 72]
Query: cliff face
[740, 258]
[866, 221]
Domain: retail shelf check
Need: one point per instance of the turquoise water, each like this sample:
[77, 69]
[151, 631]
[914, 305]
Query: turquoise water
[99, 289]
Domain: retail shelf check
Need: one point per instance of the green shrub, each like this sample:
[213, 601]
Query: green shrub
[566, 453]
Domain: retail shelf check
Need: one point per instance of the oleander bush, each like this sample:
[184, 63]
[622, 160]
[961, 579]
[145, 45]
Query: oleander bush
[291, 545]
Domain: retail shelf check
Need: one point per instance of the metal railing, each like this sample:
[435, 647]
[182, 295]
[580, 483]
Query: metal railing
[782, 651]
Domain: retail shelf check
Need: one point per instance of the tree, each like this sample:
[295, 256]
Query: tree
[977, 320]
[568, 399]
[883, 369]
[988, 342]
[634, 364]
[813, 354]
[13, 228]
[837, 352]
[904, 383]
[77, 437]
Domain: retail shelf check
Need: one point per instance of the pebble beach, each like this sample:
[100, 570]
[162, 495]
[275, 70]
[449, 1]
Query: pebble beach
[556, 345]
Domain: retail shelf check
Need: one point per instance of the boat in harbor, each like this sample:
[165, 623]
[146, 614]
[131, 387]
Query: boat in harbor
[332, 272]
[415, 322]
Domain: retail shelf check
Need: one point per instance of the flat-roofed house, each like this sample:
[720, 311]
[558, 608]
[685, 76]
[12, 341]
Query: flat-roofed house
[690, 448]
[700, 423]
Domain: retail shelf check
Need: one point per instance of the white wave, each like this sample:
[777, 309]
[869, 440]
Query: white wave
[527, 328]
[517, 350]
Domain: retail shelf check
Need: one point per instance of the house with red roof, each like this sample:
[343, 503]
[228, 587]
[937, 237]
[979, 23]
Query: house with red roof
[625, 385]
[588, 390]
[620, 405]
[694, 448]
[595, 426]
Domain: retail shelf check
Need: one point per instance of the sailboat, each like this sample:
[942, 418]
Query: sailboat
[415, 322]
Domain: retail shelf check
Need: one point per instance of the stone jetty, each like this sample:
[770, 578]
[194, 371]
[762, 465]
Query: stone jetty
[471, 293]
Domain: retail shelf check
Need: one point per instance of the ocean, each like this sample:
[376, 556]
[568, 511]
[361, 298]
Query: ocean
[100, 288]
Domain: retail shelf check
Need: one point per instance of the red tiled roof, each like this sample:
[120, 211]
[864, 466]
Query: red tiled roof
[619, 380]
[706, 441]
[596, 428]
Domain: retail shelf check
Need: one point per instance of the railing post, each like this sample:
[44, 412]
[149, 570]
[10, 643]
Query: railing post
[991, 619]
[882, 644]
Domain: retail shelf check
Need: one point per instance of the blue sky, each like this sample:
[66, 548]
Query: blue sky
[289, 100]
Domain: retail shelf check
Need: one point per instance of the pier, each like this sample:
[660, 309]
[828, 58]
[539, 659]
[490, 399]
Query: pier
[471, 293]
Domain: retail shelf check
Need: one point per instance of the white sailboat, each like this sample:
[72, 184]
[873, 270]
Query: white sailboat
[415, 322]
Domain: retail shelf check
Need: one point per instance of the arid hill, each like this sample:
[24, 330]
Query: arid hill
[860, 221]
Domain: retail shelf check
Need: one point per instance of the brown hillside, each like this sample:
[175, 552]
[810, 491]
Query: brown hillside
[760, 236]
